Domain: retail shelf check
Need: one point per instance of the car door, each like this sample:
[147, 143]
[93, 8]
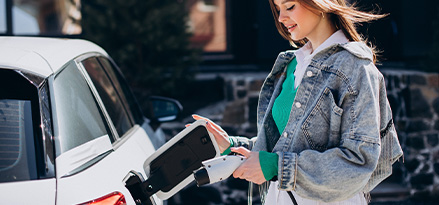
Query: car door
[119, 146]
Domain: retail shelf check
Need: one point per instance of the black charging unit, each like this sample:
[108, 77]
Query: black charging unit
[172, 164]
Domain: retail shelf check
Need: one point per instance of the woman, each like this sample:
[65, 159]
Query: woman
[325, 129]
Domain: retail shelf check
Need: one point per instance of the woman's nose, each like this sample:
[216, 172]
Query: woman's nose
[282, 17]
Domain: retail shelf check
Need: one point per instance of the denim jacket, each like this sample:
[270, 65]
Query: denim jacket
[340, 139]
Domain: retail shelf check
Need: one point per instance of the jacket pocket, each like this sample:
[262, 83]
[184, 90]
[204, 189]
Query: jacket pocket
[322, 126]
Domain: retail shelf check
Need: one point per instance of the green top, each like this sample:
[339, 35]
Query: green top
[282, 104]
[281, 113]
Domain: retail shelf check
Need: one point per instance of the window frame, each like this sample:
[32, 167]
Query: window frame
[55, 109]
[107, 90]
[131, 100]
[90, 85]
[67, 162]
[117, 139]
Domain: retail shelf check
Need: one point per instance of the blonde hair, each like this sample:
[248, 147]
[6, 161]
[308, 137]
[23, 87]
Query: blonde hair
[343, 16]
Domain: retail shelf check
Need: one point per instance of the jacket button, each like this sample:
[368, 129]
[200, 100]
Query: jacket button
[285, 135]
[298, 105]
[309, 74]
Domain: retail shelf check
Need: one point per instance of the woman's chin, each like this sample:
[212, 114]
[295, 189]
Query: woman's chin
[296, 37]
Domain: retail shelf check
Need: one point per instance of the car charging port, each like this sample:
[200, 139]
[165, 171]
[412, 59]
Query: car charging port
[171, 167]
[140, 191]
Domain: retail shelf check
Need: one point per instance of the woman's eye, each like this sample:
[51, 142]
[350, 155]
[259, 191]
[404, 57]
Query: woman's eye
[291, 7]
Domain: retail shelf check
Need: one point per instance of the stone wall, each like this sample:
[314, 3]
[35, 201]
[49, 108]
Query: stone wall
[414, 98]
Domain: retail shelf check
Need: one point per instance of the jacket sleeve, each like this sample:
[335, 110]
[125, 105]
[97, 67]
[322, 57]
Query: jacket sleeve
[340, 172]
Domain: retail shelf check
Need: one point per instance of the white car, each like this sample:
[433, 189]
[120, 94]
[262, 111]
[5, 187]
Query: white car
[71, 131]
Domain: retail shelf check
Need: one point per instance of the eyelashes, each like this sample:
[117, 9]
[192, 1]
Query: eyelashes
[290, 8]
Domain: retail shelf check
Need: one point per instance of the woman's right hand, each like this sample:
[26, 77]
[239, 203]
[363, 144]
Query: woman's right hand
[221, 136]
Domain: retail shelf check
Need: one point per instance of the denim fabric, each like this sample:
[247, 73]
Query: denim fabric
[340, 139]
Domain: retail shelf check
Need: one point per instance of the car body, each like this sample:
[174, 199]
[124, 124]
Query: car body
[70, 129]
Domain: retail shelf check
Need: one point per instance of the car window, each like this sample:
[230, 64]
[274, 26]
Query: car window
[78, 115]
[18, 131]
[122, 87]
[16, 135]
[112, 99]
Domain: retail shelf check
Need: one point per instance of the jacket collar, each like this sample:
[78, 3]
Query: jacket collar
[358, 49]
[282, 61]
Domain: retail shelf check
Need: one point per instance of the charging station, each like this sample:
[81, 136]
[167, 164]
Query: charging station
[171, 167]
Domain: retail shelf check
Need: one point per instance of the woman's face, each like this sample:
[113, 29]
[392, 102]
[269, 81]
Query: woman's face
[300, 21]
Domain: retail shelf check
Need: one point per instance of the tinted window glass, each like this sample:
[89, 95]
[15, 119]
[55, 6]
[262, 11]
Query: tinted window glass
[19, 128]
[123, 88]
[17, 151]
[79, 117]
[110, 97]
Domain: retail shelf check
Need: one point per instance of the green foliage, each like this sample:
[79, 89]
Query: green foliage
[148, 39]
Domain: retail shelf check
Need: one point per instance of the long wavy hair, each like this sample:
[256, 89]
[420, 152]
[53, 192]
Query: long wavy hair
[343, 16]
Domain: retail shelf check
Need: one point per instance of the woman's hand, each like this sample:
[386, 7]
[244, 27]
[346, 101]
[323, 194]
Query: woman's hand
[250, 170]
[221, 136]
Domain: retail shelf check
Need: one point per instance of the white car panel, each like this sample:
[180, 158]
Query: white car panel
[99, 179]
[18, 58]
[54, 51]
[29, 192]
[78, 156]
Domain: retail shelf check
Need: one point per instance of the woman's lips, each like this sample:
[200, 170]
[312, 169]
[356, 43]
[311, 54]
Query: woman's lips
[291, 28]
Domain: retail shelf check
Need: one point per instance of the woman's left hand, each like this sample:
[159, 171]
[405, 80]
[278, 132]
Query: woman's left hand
[250, 170]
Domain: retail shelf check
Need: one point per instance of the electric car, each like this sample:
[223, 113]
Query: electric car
[71, 131]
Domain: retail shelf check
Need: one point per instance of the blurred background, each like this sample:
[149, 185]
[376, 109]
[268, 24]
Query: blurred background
[213, 56]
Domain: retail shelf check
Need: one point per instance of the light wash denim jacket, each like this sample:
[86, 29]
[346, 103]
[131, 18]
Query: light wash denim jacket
[340, 139]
